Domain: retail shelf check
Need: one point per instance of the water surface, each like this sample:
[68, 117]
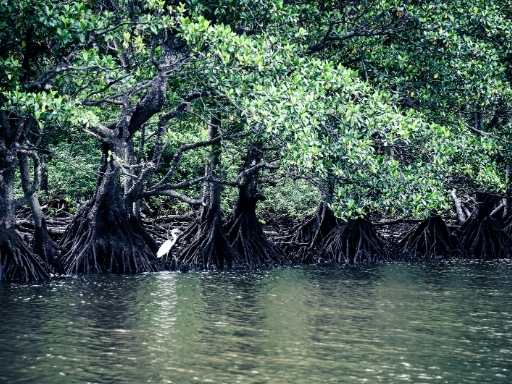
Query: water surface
[389, 324]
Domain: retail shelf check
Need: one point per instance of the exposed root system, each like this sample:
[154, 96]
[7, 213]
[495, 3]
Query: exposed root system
[428, 241]
[108, 242]
[17, 262]
[253, 248]
[311, 233]
[208, 248]
[483, 236]
[355, 242]
[484, 239]
[47, 249]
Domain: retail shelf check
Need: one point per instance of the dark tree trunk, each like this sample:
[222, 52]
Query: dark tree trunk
[428, 241]
[208, 247]
[17, 262]
[43, 245]
[354, 242]
[316, 227]
[105, 236]
[244, 231]
[311, 233]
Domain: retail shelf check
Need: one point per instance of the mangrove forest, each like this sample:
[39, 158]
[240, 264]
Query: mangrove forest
[256, 191]
[234, 135]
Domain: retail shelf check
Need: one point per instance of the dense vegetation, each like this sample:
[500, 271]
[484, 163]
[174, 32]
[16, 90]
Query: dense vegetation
[330, 115]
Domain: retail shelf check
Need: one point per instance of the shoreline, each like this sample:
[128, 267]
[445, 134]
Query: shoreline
[277, 229]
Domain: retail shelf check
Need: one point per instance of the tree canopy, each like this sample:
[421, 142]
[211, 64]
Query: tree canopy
[375, 108]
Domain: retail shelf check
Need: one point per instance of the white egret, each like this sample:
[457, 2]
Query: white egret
[167, 245]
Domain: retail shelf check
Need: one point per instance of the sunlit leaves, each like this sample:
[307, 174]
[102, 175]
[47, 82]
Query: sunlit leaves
[387, 107]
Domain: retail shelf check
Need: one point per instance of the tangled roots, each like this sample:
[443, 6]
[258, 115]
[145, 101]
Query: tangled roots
[17, 262]
[208, 248]
[118, 245]
[311, 233]
[47, 249]
[484, 238]
[252, 247]
[430, 240]
[355, 242]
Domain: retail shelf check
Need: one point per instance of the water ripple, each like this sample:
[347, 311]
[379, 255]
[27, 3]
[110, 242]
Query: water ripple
[388, 324]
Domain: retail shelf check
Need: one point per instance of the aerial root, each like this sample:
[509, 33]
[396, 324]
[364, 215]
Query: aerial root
[430, 240]
[47, 249]
[17, 262]
[253, 249]
[308, 236]
[208, 249]
[355, 242]
[484, 238]
[122, 246]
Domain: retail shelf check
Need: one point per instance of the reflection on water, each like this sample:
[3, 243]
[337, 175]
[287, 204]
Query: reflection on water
[388, 324]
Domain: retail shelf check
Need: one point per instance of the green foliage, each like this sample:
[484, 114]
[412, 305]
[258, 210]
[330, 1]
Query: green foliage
[72, 170]
[290, 198]
[395, 104]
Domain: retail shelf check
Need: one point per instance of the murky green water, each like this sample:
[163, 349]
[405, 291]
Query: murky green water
[388, 324]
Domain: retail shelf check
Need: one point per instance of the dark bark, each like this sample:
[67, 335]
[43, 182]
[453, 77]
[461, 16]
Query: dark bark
[430, 240]
[43, 245]
[354, 242]
[316, 227]
[17, 262]
[105, 236]
[244, 231]
[208, 247]
[309, 236]
[484, 236]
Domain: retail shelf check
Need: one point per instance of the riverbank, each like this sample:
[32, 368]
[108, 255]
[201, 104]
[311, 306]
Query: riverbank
[278, 229]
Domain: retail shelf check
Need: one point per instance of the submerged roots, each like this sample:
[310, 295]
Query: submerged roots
[17, 262]
[430, 240]
[355, 242]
